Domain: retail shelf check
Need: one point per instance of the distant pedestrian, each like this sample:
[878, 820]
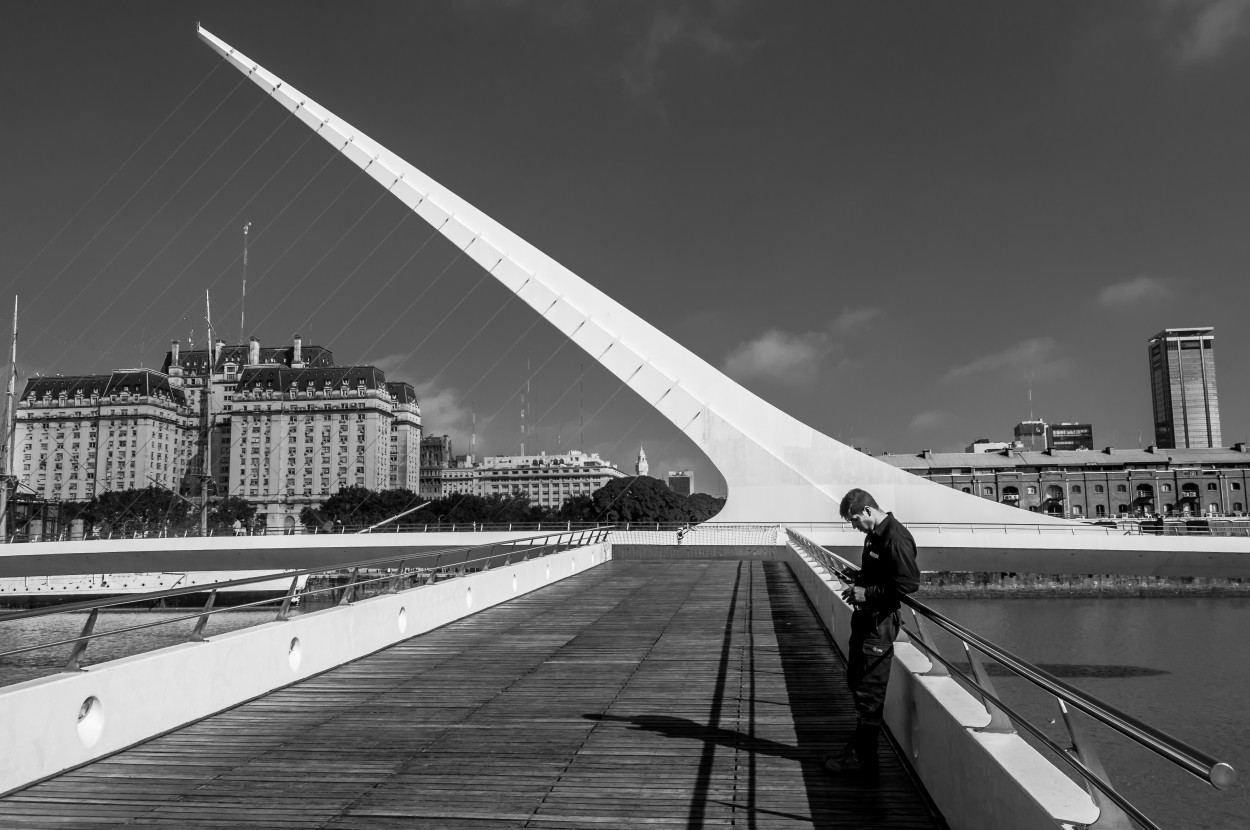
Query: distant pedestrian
[238, 528]
[887, 572]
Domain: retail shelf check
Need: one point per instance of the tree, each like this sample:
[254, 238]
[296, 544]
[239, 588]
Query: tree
[703, 507]
[222, 514]
[638, 499]
[149, 510]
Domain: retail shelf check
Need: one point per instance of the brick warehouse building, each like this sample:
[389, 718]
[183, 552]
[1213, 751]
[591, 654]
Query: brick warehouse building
[1082, 484]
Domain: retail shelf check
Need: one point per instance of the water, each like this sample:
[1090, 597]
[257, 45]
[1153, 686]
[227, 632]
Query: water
[32, 664]
[1178, 664]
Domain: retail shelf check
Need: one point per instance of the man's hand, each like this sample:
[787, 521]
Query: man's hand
[855, 594]
[861, 594]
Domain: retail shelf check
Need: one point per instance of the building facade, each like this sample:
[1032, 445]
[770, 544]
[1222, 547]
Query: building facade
[75, 437]
[1103, 484]
[1183, 391]
[680, 481]
[548, 480]
[1066, 435]
[435, 458]
[1030, 435]
[282, 428]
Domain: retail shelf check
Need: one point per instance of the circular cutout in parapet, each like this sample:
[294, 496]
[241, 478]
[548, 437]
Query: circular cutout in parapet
[548, 570]
[514, 583]
[401, 621]
[468, 597]
[90, 721]
[294, 654]
[573, 564]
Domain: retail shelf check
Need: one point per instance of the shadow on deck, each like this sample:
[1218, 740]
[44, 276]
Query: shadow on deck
[666, 693]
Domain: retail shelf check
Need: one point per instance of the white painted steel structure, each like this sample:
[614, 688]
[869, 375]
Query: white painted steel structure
[773, 464]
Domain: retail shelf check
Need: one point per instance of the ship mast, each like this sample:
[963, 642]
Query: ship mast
[8, 480]
[206, 419]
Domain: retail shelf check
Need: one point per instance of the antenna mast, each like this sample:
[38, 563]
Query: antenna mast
[206, 418]
[243, 300]
[9, 480]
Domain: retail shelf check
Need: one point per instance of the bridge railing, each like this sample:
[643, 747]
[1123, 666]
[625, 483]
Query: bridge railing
[1206, 526]
[1080, 757]
[363, 578]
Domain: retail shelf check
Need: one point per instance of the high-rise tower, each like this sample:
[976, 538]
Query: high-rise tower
[641, 467]
[1182, 388]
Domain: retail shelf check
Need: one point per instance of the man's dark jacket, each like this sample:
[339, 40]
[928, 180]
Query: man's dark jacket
[888, 567]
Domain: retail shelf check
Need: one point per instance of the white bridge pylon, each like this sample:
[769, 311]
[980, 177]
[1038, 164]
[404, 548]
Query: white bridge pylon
[775, 467]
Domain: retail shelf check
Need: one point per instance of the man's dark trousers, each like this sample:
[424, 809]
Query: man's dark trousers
[868, 673]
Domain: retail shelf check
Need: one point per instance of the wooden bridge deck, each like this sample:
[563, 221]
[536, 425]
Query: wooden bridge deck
[665, 694]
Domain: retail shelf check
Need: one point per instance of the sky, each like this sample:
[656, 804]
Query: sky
[889, 220]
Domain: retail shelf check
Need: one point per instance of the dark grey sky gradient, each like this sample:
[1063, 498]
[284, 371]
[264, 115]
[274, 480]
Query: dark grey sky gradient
[877, 216]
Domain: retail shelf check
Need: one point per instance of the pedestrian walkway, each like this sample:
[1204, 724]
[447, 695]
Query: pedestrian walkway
[666, 694]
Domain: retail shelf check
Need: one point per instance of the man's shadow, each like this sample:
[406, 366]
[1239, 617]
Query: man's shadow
[686, 729]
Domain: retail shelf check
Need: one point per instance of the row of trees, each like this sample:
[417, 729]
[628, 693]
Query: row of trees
[153, 510]
[635, 499]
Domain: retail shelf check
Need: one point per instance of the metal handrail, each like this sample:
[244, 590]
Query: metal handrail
[215, 586]
[1105, 526]
[1218, 773]
[598, 534]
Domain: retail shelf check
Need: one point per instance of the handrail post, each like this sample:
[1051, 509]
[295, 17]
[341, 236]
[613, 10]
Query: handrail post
[283, 612]
[197, 634]
[1110, 816]
[936, 667]
[393, 588]
[81, 645]
[999, 721]
[349, 590]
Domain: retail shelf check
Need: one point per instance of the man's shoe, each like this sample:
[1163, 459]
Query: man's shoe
[848, 763]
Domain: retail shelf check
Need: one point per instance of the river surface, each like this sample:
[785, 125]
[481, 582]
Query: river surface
[1182, 665]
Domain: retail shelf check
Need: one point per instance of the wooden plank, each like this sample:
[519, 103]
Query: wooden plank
[637, 694]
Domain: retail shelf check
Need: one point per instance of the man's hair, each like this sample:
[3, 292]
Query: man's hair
[855, 501]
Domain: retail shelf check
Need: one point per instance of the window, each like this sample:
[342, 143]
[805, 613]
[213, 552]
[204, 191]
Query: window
[1098, 488]
[1076, 510]
[988, 491]
[1121, 488]
[1031, 490]
[1211, 485]
[1236, 485]
[1165, 487]
[1099, 510]
[1076, 489]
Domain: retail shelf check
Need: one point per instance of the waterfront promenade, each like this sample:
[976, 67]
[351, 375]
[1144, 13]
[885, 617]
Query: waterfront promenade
[667, 694]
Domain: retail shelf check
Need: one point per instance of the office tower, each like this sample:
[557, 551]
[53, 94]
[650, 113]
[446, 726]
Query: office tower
[1182, 388]
[680, 481]
[1066, 435]
[1031, 435]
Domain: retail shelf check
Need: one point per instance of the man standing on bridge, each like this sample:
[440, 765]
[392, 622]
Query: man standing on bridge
[887, 572]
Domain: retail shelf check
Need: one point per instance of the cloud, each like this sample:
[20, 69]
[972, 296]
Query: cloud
[779, 355]
[1136, 290]
[1037, 354]
[933, 419]
[442, 412]
[1201, 30]
[854, 320]
[672, 30]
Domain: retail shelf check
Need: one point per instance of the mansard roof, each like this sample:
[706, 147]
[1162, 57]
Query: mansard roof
[282, 377]
[85, 385]
[195, 361]
[401, 392]
[145, 382]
